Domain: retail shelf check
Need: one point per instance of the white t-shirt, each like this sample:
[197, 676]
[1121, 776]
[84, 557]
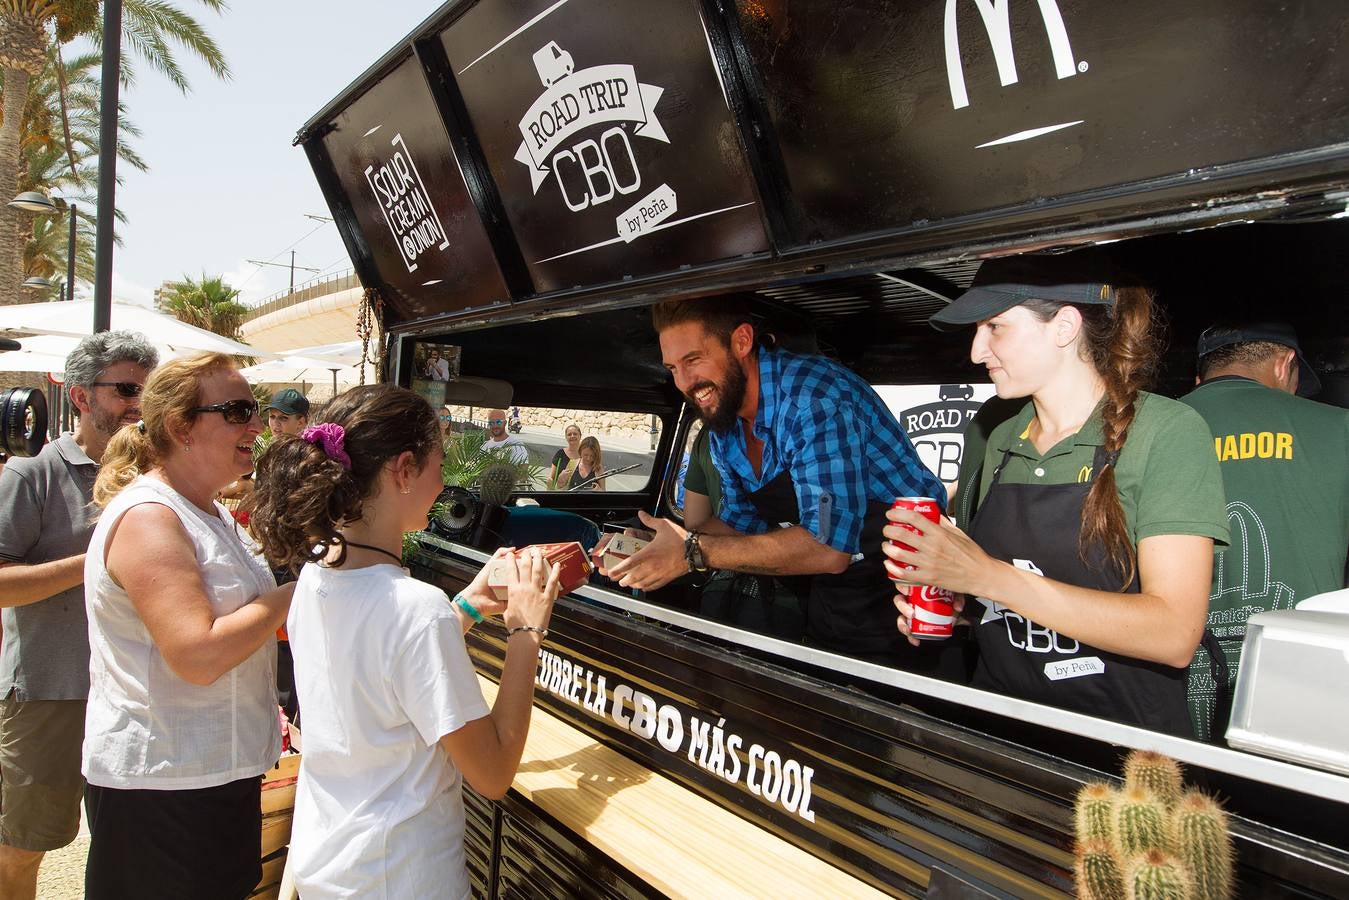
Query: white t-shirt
[519, 452]
[146, 728]
[382, 673]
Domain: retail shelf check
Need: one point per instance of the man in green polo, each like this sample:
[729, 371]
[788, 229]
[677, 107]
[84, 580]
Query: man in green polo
[1285, 466]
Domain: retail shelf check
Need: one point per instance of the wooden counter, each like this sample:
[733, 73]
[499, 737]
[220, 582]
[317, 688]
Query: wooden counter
[680, 843]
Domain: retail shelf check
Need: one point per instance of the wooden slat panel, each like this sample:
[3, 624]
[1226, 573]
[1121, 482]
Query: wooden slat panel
[679, 842]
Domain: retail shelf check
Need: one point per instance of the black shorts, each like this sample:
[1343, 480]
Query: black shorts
[205, 844]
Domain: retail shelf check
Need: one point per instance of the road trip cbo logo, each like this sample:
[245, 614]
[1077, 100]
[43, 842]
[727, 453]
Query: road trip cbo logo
[580, 134]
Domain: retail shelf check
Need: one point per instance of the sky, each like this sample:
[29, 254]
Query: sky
[224, 184]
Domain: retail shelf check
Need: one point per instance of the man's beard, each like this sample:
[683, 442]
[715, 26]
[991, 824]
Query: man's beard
[106, 422]
[731, 395]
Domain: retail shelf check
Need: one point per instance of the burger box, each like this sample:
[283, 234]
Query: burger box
[571, 556]
[1294, 663]
[619, 548]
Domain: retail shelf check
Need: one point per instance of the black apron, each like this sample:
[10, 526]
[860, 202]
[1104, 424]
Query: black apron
[1037, 525]
[853, 612]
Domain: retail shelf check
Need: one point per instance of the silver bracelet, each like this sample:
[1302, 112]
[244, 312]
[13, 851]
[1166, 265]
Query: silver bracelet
[541, 632]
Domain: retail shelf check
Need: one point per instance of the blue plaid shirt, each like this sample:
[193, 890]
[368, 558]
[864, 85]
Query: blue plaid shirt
[834, 434]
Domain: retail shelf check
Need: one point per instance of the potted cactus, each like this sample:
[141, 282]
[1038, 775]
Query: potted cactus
[1151, 839]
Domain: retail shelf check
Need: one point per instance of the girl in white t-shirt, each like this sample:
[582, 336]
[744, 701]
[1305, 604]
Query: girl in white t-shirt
[393, 713]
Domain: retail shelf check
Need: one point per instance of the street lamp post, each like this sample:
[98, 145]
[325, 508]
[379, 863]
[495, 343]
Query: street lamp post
[70, 258]
[107, 163]
[38, 202]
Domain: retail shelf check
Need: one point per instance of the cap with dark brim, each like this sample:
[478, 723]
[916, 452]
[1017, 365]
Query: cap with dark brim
[1080, 277]
[1280, 333]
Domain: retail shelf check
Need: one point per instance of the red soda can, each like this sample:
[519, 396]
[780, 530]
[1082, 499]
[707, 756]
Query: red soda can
[925, 507]
[934, 614]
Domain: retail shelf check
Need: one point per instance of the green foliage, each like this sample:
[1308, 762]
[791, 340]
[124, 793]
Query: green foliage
[1202, 841]
[1099, 875]
[1149, 771]
[466, 459]
[1157, 875]
[1132, 844]
[207, 303]
[410, 543]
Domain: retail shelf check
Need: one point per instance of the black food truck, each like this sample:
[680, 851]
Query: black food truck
[519, 180]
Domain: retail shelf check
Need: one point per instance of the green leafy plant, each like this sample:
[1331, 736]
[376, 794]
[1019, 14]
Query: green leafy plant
[1152, 839]
[466, 459]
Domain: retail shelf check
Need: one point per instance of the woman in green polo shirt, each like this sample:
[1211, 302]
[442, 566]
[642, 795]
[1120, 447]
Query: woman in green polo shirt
[1089, 557]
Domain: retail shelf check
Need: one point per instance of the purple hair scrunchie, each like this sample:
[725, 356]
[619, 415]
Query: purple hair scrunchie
[332, 438]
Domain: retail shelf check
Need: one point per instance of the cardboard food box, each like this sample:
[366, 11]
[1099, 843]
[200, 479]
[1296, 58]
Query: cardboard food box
[619, 548]
[576, 567]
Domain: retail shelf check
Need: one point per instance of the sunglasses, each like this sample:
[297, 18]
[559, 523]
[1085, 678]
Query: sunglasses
[127, 390]
[236, 412]
[496, 421]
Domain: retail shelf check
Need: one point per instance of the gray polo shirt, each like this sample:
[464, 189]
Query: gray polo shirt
[45, 515]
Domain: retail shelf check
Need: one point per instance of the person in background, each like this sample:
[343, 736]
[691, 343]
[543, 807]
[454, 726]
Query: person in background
[1285, 466]
[444, 419]
[287, 412]
[437, 366]
[182, 714]
[810, 458]
[496, 427]
[45, 523]
[1090, 553]
[397, 720]
[564, 457]
[580, 473]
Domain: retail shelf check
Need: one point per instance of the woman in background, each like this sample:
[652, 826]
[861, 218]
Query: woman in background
[564, 457]
[394, 718]
[580, 473]
[182, 715]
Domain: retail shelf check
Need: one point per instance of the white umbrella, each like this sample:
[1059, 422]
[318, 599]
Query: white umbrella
[298, 367]
[75, 317]
[48, 353]
[348, 353]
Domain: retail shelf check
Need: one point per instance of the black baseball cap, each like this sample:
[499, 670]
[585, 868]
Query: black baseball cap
[1079, 277]
[1280, 333]
[288, 401]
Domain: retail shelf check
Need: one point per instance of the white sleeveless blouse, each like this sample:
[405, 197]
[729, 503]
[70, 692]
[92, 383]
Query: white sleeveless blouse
[146, 728]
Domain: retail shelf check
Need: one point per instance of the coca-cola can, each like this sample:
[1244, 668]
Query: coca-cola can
[934, 614]
[925, 507]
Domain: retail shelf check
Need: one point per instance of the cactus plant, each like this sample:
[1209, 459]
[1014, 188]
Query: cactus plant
[496, 483]
[1140, 845]
[1153, 772]
[1099, 873]
[1140, 823]
[1158, 876]
[1095, 813]
[1199, 834]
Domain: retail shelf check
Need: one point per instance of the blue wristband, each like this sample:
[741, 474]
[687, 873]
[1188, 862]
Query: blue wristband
[472, 611]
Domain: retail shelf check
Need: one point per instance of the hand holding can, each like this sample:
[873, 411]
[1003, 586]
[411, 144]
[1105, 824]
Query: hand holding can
[933, 607]
[925, 507]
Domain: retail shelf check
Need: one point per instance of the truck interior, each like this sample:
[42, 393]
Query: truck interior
[875, 323]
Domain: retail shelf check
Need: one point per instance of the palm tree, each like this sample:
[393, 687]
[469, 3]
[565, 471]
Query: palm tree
[208, 303]
[29, 29]
[62, 160]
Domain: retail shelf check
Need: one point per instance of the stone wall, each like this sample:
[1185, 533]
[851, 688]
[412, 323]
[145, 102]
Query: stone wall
[625, 426]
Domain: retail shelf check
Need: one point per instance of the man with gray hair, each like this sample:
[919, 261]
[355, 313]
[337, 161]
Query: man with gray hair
[46, 518]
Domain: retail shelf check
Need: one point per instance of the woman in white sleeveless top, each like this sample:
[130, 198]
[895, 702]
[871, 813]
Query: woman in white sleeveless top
[182, 716]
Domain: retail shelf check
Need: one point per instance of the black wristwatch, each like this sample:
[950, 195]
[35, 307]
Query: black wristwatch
[693, 553]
